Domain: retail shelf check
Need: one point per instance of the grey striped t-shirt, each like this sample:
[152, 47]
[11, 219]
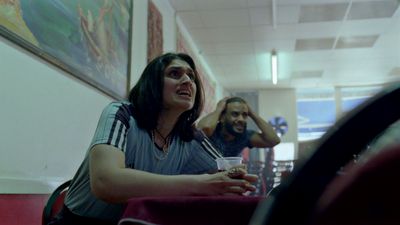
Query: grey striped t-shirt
[118, 127]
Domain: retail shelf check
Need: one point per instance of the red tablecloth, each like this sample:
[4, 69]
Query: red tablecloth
[192, 210]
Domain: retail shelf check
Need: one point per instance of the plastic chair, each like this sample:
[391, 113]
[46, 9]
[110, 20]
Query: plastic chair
[55, 202]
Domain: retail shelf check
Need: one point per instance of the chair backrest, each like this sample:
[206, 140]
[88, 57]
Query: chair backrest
[55, 202]
[366, 194]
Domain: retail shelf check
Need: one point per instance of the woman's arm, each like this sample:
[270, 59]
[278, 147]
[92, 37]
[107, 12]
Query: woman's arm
[112, 182]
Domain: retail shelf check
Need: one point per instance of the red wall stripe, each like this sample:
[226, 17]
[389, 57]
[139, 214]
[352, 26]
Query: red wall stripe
[22, 209]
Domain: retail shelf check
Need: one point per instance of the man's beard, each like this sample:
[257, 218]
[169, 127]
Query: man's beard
[229, 128]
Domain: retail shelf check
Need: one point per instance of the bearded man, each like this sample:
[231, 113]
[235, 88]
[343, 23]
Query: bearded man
[227, 128]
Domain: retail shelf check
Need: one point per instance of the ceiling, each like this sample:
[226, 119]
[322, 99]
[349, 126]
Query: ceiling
[319, 43]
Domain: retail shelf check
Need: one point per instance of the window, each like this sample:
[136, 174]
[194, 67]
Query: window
[316, 112]
[317, 108]
[351, 97]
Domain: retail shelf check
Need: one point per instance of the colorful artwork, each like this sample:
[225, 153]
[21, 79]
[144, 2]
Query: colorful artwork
[89, 39]
[155, 32]
[209, 86]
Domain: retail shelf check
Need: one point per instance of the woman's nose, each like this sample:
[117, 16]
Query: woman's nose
[186, 79]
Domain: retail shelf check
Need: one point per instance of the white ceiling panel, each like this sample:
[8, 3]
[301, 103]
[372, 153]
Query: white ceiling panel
[227, 34]
[241, 72]
[288, 14]
[212, 60]
[183, 5]
[356, 42]
[312, 60]
[314, 44]
[348, 56]
[395, 72]
[263, 62]
[366, 27]
[261, 16]
[218, 72]
[397, 13]
[279, 45]
[234, 48]
[236, 59]
[317, 30]
[268, 33]
[311, 2]
[236, 37]
[225, 18]
[220, 4]
[370, 10]
[207, 48]
[258, 3]
[394, 27]
[385, 42]
[295, 31]
[285, 14]
[305, 74]
[322, 12]
[191, 19]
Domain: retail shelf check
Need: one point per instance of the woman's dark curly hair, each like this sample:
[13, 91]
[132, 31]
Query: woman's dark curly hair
[147, 96]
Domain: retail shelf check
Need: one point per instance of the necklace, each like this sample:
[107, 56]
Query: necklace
[164, 147]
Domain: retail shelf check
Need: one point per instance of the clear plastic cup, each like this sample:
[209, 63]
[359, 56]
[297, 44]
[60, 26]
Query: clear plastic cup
[226, 163]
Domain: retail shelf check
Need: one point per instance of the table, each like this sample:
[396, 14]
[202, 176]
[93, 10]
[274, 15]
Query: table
[190, 210]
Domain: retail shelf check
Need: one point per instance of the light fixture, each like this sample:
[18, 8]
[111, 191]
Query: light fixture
[274, 67]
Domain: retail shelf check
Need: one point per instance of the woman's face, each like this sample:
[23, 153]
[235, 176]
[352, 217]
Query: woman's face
[179, 86]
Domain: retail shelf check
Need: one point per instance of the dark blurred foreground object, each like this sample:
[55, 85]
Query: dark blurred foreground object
[297, 200]
[55, 202]
[366, 194]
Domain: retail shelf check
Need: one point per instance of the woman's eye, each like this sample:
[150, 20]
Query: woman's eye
[178, 74]
[174, 74]
[191, 76]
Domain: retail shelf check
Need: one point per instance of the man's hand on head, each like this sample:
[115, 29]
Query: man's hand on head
[221, 105]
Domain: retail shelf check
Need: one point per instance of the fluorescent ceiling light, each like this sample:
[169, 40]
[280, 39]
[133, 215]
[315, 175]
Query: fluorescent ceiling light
[274, 67]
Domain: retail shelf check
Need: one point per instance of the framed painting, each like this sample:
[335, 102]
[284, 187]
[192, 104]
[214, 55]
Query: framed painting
[154, 32]
[88, 39]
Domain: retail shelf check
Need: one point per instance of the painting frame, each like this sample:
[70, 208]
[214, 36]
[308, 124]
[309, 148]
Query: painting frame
[110, 78]
[155, 44]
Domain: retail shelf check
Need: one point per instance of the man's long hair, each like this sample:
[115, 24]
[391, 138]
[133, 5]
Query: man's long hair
[147, 96]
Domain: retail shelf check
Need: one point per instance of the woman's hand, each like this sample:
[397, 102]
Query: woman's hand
[240, 172]
[235, 181]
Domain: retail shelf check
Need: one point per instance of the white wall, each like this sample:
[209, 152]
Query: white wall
[139, 40]
[47, 119]
[280, 102]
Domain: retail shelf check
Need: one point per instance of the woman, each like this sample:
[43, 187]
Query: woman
[145, 147]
